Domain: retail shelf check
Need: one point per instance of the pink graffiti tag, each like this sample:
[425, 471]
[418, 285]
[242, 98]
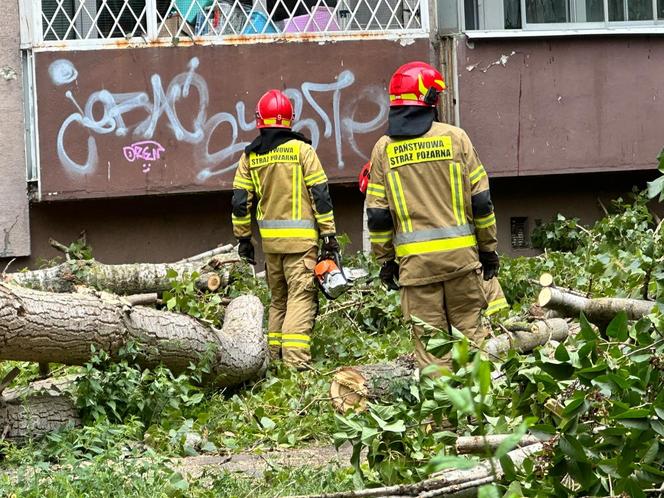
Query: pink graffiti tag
[147, 151]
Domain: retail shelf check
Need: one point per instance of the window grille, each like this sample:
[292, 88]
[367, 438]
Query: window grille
[73, 21]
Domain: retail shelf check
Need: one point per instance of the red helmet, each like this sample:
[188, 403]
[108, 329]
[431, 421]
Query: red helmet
[416, 83]
[274, 110]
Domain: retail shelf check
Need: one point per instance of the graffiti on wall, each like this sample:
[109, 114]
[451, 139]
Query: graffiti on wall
[181, 123]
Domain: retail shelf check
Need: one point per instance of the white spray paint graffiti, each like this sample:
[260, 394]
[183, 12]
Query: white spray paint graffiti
[340, 126]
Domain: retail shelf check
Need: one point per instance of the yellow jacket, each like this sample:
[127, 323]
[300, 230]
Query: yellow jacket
[428, 205]
[293, 197]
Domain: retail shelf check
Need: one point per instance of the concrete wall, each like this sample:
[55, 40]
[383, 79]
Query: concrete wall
[563, 105]
[14, 227]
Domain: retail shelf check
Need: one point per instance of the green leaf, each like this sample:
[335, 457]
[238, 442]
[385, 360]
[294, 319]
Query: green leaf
[172, 303]
[618, 327]
[462, 399]
[488, 491]
[508, 468]
[571, 447]
[267, 423]
[398, 426]
[575, 407]
[656, 188]
[484, 375]
[561, 353]
[651, 453]
[441, 462]
[632, 413]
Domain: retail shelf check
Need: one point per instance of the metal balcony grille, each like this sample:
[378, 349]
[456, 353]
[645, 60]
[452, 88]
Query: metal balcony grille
[144, 21]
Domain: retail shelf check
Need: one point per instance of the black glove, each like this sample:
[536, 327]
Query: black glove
[330, 248]
[490, 264]
[389, 274]
[246, 251]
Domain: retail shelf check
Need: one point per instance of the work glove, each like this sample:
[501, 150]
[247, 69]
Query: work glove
[490, 264]
[330, 248]
[246, 251]
[389, 274]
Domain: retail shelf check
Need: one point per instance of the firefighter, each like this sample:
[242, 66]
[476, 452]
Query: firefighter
[495, 297]
[281, 173]
[430, 215]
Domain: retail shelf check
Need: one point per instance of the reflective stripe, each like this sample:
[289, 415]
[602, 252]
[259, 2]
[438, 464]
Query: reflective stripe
[496, 305]
[477, 174]
[272, 121]
[241, 183]
[325, 216]
[289, 233]
[274, 338]
[297, 193]
[286, 224]
[296, 345]
[257, 185]
[381, 237]
[375, 192]
[486, 221]
[376, 186]
[404, 96]
[457, 193]
[244, 220]
[439, 245]
[434, 234]
[399, 199]
[319, 177]
[300, 341]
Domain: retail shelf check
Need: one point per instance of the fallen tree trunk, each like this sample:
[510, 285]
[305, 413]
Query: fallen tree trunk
[541, 332]
[452, 483]
[137, 278]
[50, 327]
[353, 387]
[600, 311]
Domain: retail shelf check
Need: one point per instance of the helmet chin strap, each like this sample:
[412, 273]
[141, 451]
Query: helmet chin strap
[431, 96]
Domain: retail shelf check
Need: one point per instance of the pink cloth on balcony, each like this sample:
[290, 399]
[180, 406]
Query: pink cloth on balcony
[320, 20]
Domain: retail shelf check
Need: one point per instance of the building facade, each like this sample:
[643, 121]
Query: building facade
[126, 118]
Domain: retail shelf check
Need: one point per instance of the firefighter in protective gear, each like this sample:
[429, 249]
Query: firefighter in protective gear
[430, 215]
[280, 172]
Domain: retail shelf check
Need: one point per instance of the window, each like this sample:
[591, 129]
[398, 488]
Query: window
[561, 14]
[145, 20]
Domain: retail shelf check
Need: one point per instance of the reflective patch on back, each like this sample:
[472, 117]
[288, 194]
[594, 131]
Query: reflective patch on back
[287, 153]
[419, 150]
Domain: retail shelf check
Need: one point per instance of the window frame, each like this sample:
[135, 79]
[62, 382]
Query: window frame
[532, 30]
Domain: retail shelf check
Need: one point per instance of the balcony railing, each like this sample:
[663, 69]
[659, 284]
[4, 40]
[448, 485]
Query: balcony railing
[75, 23]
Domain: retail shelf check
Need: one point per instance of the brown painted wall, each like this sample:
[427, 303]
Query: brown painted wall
[165, 120]
[14, 227]
[563, 105]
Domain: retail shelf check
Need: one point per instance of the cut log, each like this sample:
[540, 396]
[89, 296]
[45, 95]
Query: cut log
[466, 445]
[50, 327]
[541, 332]
[137, 278]
[600, 311]
[451, 483]
[353, 387]
[546, 280]
[38, 409]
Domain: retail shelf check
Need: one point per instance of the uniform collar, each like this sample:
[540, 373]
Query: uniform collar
[271, 138]
[410, 121]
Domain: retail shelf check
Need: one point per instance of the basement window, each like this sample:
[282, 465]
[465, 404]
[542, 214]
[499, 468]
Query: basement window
[519, 232]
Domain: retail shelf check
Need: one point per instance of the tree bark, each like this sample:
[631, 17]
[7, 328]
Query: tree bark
[35, 410]
[541, 332]
[451, 483]
[600, 311]
[50, 327]
[466, 445]
[353, 387]
[137, 278]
